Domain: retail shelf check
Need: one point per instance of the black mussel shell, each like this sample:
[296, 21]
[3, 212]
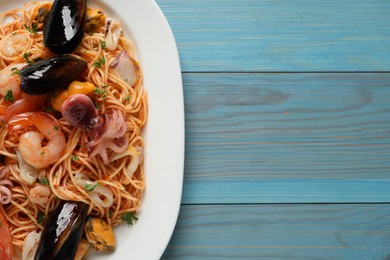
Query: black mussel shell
[62, 232]
[64, 28]
[45, 76]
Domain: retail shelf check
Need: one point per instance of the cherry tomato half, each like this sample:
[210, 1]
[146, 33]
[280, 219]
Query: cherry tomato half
[5, 240]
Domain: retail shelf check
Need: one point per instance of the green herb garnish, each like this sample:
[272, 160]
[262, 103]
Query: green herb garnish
[33, 29]
[99, 91]
[128, 98]
[103, 44]
[40, 217]
[44, 181]
[15, 71]
[90, 187]
[56, 128]
[99, 63]
[97, 105]
[129, 217]
[37, 59]
[9, 96]
[26, 57]
[74, 157]
[49, 110]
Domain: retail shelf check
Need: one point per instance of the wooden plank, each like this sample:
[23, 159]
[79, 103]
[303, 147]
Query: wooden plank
[278, 138]
[278, 35]
[282, 232]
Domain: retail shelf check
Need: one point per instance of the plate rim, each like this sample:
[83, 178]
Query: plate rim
[162, 24]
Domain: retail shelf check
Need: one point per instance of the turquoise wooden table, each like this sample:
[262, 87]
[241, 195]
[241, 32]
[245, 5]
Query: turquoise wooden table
[287, 129]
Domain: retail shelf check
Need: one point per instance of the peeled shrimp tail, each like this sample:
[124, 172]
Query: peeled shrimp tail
[31, 146]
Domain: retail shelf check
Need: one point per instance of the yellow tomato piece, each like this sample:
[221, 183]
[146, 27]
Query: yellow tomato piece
[77, 87]
[58, 99]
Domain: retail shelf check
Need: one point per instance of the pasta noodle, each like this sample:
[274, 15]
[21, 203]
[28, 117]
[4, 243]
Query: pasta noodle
[68, 176]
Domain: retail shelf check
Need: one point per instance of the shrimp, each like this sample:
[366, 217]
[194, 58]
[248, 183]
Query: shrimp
[40, 194]
[26, 103]
[14, 45]
[18, 102]
[41, 147]
[9, 80]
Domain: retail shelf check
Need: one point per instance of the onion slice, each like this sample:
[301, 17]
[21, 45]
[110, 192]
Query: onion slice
[30, 245]
[113, 32]
[126, 68]
[135, 159]
[28, 173]
[100, 195]
[80, 177]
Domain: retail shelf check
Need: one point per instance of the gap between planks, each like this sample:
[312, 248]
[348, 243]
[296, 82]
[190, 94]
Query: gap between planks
[285, 203]
[285, 72]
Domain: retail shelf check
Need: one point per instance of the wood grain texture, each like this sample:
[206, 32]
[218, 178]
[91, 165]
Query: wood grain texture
[277, 138]
[255, 139]
[280, 35]
[319, 232]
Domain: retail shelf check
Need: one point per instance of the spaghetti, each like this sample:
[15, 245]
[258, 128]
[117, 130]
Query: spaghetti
[66, 179]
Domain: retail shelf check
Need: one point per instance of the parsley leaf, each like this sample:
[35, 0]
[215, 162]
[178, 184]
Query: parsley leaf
[40, 217]
[103, 44]
[33, 29]
[74, 157]
[37, 59]
[99, 91]
[97, 105]
[128, 97]
[26, 57]
[15, 71]
[49, 110]
[56, 128]
[90, 187]
[99, 63]
[9, 96]
[129, 217]
[44, 181]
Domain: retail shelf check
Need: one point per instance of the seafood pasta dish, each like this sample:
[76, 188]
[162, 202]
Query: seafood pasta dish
[72, 110]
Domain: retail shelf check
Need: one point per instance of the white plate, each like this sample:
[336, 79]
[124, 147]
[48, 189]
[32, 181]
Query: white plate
[164, 133]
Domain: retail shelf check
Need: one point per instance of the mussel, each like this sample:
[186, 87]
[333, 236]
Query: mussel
[94, 20]
[64, 28]
[100, 234]
[48, 75]
[62, 232]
